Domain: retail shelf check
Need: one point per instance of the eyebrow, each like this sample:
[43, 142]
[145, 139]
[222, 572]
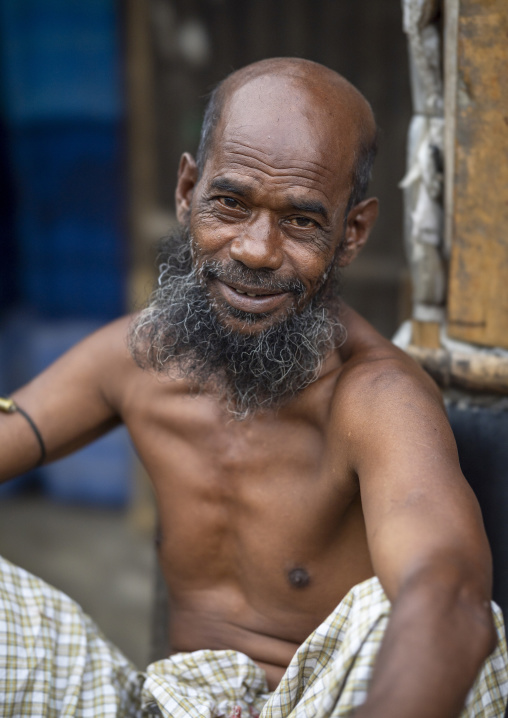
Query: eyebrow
[314, 207]
[222, 184]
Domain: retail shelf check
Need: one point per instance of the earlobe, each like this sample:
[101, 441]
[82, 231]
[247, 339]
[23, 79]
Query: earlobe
[360, 221]
[187, 179]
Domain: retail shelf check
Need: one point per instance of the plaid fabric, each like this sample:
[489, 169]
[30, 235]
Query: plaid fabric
[327, 678]
[55, 662]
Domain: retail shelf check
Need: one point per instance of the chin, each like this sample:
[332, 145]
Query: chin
[248, 323]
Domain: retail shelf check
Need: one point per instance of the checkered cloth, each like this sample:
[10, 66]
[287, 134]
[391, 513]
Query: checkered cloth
[53, 659]
[327, 678]
[55, 662]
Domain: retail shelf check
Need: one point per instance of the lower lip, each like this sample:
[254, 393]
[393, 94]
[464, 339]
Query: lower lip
[260, 303]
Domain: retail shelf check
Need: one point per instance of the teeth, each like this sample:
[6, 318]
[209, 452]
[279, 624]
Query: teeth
[239, 291]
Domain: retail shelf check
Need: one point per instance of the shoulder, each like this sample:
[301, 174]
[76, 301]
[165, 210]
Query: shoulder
[381, 390]
[101, 361]
[105, 349]
[108, 349]
[114, 335]
[371, 362]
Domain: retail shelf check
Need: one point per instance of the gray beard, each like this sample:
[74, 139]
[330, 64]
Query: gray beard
[181, 332]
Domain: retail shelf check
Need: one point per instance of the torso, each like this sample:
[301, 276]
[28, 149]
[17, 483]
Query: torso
[261, 520]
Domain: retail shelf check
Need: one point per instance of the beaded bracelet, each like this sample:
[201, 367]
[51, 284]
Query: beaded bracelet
[9, 406]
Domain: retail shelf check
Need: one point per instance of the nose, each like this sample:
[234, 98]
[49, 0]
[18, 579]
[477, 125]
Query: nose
[258, 246]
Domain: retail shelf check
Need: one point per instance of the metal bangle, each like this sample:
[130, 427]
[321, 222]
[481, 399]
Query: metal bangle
[9, 406]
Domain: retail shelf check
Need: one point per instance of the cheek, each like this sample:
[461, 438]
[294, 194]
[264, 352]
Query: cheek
[206, 240]
[313, 267]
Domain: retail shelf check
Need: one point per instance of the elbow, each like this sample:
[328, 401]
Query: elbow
[473, 611]
[486, 633]
[460, 602]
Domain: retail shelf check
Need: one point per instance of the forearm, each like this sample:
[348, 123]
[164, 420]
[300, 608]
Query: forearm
[440, 632]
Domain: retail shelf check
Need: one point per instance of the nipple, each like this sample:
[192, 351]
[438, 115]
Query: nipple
[299, 578]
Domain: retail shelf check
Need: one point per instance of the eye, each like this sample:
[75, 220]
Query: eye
[304, 222]
[229, 202]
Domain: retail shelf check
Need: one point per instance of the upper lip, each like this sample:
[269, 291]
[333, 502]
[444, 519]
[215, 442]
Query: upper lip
[255, 291]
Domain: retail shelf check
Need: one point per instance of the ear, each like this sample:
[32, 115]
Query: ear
[187, 179]
[360, 220]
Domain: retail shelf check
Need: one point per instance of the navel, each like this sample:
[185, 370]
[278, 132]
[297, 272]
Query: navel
[298, 577]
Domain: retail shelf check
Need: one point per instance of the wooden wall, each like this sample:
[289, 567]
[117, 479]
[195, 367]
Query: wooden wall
[478, 278]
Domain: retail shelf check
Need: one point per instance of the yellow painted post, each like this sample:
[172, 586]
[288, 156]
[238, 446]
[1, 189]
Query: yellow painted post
[478, 223]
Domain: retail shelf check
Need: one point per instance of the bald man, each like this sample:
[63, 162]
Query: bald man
[312, 507]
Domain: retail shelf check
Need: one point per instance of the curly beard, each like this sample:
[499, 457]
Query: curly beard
[181, 332]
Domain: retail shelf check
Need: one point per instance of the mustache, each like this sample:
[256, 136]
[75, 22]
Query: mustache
[264, 279]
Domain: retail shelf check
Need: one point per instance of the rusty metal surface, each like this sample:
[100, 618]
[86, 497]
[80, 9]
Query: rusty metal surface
[478, 279]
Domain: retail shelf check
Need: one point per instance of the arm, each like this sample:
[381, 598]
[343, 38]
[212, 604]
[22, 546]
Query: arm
[427, 545]
[70, 402]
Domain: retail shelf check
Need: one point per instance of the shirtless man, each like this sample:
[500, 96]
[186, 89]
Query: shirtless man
[289, 463]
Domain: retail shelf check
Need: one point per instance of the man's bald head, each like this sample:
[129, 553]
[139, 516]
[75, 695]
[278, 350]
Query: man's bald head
[334, 108]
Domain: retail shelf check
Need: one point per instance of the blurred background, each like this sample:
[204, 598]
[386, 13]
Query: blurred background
[98, 100]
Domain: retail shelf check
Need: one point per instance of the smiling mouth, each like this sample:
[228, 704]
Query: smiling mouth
[253, 294]
[256, 300]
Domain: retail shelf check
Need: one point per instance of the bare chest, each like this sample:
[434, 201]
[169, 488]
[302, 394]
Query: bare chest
[258, 517]
[224, 486]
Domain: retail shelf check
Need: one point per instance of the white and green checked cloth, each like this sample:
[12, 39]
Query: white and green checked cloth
[55, 662]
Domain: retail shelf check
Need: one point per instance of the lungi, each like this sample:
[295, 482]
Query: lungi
[54, 662]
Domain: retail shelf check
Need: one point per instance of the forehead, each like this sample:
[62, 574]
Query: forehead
[282, 128]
